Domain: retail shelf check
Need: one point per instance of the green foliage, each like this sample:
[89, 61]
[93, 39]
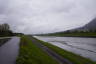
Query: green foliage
[5, 30]
[31, 54]
[74, 34]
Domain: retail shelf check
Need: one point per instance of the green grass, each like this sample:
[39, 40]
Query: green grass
[78, 34]
[75, 59]
[81, 34]
[31, 54]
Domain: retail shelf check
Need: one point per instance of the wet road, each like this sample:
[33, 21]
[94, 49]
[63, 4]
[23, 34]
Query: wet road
[9, 51]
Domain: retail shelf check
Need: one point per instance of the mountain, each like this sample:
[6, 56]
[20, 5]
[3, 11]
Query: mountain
[91, 25]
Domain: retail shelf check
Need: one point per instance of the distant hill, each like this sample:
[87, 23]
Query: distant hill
[88, 28]
[91, 25]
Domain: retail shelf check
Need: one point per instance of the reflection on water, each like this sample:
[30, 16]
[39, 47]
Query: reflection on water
[85, 47]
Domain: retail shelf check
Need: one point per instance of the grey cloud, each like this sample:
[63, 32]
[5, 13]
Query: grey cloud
[42, 16]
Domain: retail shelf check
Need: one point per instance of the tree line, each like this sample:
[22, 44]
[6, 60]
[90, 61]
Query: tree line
[5, 30]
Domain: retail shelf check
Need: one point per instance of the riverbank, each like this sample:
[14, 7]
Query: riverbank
[75, 59]
[29, 53]
[82, 34]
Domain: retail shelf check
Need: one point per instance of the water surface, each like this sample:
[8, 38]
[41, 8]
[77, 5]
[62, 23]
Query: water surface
[85, 47]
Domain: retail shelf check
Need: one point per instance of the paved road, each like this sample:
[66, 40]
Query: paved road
[9, 51]
[4, 37]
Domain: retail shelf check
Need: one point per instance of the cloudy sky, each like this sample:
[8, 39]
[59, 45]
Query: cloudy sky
[43, 16]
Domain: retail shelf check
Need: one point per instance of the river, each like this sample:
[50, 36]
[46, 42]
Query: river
[85, 47]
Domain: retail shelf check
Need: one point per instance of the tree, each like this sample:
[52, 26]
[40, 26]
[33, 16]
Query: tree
[0, 28]
[5, 27]
[5, 30]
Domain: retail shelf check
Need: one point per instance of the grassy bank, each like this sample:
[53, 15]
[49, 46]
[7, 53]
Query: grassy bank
[31, 54]
[3, 41]
[75, 59]
[82, 34]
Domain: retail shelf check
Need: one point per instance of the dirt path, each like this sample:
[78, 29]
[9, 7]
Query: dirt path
[51, 53]
[9, 51]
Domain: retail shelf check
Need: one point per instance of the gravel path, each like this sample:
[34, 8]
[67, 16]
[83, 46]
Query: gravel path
[51, 53]
[9, 51]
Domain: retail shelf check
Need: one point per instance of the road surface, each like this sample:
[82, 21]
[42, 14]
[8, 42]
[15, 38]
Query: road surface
[9, 51]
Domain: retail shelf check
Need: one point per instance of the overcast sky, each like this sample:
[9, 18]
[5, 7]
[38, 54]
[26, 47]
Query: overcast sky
[43, 16]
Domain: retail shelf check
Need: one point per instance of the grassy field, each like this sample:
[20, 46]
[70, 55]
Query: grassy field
[75, 59]
[31, 54]
[3, 41]
[82, 34]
